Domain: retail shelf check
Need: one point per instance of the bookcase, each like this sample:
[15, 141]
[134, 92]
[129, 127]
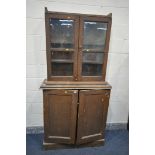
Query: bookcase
[75, 93]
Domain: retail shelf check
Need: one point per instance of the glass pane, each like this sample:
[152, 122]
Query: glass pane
[93, 57]
[62, 33]
[91, 69]
[61, 55]
[94, 35]
[62, 69]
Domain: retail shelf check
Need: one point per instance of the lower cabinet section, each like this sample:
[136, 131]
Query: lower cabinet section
[76, 117]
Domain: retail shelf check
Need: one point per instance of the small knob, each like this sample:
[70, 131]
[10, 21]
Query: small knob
[80, 46]
[76, 77]
[102, 99]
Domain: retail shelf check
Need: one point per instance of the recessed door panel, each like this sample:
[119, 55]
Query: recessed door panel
[60, 115]
[93, 108]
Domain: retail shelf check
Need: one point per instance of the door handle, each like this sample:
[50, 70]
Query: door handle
[80, 47]
[102, 99]
[75, 77]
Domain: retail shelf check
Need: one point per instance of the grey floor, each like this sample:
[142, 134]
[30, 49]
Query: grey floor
[117, 143]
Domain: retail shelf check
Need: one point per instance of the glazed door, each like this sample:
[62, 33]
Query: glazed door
[62, 46]
[60, 114]
[92, 115]
[93, 47]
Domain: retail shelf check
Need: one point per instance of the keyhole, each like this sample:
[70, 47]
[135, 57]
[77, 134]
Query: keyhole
[102, 99]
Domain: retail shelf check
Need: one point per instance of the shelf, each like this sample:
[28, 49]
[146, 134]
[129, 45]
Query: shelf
[72, 50]
[92, 62]
[62, 45]
[83, 56]
[75, 84]
[93, 50]
[62, 61]
[62, 49]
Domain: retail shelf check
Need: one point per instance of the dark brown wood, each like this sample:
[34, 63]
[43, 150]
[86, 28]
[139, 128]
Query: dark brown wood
[107, 46]
[48, 55]
[106, 19]
[79, 70]
[49, 49]
[79, 14]
[60, 110]
[78, 41]
[65, 124]
[46, 11]
[92, 115]
[75, 106]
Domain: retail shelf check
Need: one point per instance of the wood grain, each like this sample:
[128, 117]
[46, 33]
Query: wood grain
[78, 44]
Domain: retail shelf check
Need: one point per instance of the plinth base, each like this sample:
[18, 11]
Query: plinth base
[48, 146]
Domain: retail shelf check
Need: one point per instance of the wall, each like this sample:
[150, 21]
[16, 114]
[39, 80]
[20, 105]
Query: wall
[117, 70]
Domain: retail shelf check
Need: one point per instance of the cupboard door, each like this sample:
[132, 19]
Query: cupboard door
[60, 113]
[94, 44]
[62, 46]
[93, 107]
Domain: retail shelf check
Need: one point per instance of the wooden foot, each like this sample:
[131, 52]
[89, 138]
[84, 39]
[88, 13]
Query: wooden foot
[48, 146]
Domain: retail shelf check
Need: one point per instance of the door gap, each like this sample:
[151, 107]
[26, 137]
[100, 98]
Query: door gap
[77, 116]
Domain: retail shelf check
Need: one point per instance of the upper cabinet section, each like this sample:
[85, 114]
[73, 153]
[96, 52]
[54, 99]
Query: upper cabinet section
[77, 46]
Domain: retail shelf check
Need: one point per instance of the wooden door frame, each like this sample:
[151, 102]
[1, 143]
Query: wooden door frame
[80, 124]
[107, 19]
[49, 15]
[78, 40]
